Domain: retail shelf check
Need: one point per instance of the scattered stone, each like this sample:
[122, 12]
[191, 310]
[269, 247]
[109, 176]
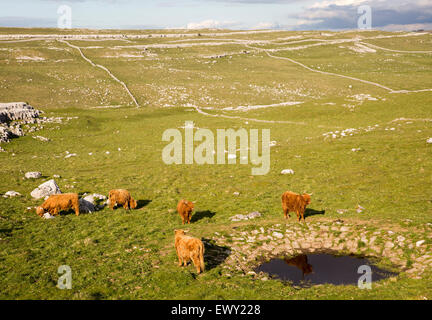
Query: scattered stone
[240, 217]
[355, 149]
[46, 189]
[277, 235]
[341, 211]
[236, 193]
[359, 209]
[70, 155]
[33, 175]
[11, 194]
[429, 140]
[287, 171]
[43, 139]
[47, 216]
[56, 176]
[419, 243]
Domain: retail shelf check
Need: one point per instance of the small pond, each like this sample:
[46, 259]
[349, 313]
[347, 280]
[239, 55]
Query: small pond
[321, 268]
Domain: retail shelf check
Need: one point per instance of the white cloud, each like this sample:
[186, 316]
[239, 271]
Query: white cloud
[326, 4]
[408, 27]
[386, 14]
[266, 25]
[211, 24]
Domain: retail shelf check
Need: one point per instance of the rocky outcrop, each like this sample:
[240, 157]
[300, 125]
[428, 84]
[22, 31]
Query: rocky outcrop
[5, 134]
[17, 111]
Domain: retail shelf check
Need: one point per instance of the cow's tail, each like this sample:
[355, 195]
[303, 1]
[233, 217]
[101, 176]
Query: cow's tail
[201, 249]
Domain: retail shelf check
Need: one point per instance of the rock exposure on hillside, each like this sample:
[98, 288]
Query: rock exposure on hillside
[15, 111]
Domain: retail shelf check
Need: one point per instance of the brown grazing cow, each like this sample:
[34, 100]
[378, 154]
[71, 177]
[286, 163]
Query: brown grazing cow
[185, 208]
[296, 203]
[59, 202]
[121, 197]
[189, 248]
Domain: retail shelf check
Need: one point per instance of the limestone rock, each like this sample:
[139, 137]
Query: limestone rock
[33, 175]
[277, 235]
[86, 206]
[17, 111]
[419, 243]
[5, 134]
[287, 171]
[11, 194]
[46, 189]
[93, 199]
[240, 217]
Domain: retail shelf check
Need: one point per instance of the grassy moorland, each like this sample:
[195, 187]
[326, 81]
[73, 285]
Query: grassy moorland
[130, 255]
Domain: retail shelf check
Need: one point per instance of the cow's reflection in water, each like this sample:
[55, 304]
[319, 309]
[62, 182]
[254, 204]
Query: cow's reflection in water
[301, 262]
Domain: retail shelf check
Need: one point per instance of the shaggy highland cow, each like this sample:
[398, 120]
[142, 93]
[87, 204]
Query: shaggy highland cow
[189, 248]
[121, 197]
[59, 202]
[293, 202]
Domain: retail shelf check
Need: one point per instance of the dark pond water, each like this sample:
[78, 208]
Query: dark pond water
[321, 268]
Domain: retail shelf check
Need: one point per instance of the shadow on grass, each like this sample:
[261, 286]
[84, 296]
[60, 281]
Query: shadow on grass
[142, 203]
[202, 214]
[7, 232]
[312, 212]
[214, 255]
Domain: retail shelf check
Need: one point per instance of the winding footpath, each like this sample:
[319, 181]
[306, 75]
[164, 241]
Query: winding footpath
[392, 50]
[336, 74]
[105, 69]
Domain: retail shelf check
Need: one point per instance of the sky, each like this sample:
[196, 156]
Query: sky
[224, 14]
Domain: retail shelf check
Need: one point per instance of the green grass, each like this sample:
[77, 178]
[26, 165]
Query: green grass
[130, 255]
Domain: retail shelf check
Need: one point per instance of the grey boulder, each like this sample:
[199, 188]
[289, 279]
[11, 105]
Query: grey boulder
[46, 189]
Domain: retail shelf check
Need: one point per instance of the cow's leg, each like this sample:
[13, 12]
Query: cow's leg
[112, 204]
[196, 263]
[298, 215]
[286, 213]
[56, 211]
[125, 206]
[302, 214]
[77, 212]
